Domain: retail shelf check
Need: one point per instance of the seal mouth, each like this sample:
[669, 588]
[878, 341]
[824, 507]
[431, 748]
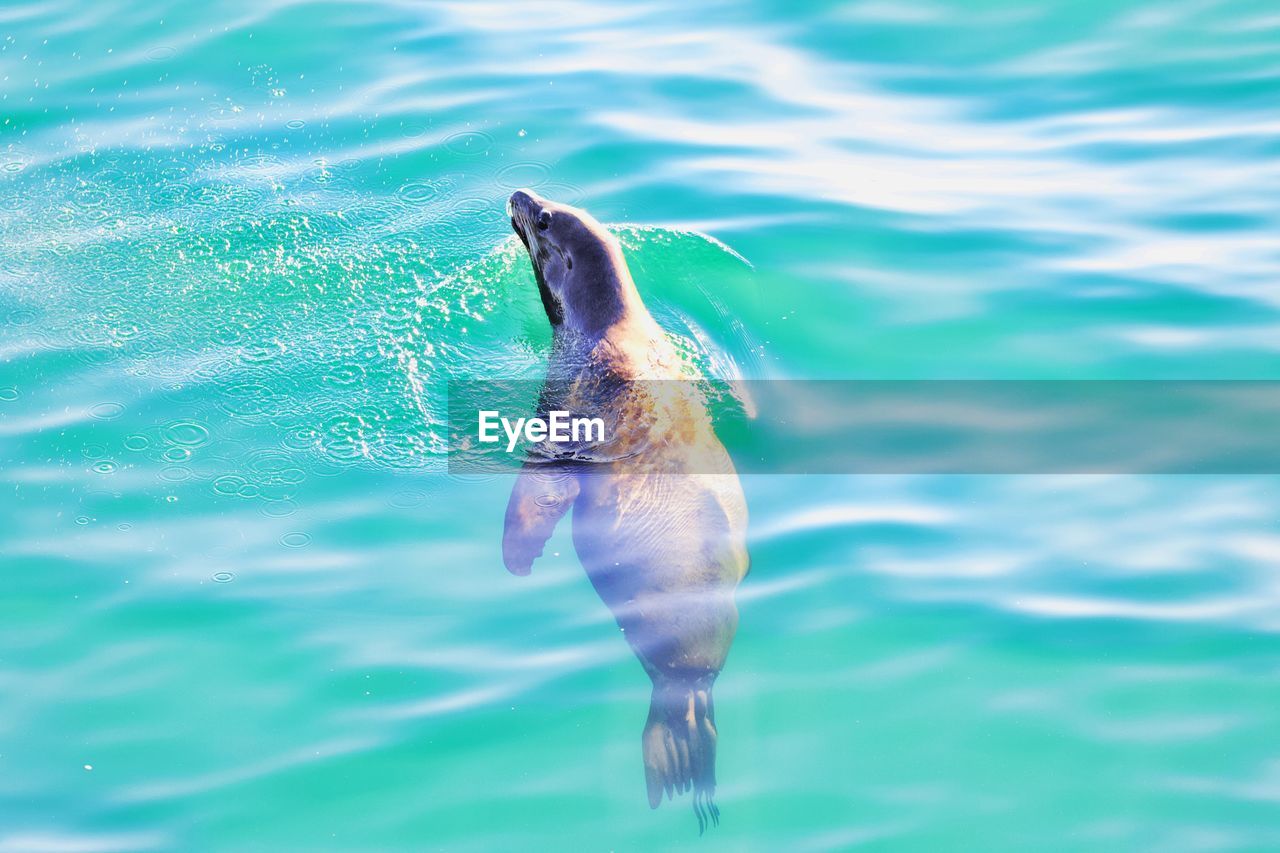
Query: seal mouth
[523, 207]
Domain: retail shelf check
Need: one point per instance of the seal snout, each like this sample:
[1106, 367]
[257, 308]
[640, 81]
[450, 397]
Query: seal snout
[523, 207]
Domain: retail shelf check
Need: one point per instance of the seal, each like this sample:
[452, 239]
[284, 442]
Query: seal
[659, 519]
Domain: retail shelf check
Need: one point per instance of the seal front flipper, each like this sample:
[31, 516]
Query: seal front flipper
[541, 496]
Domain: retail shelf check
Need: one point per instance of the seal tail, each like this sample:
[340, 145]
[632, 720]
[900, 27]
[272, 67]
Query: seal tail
[679, 745]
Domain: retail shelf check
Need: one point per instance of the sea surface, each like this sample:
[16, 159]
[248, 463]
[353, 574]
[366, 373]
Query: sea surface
[244, 246]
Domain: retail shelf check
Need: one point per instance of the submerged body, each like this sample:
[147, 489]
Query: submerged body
[659, 523]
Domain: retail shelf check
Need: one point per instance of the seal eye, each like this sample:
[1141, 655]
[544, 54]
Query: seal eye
[544, 221]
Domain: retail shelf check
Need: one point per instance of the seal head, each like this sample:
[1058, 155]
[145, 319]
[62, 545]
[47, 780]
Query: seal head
[582, 276]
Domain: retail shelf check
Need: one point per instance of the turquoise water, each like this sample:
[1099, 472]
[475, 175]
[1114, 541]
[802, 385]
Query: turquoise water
[244, 246]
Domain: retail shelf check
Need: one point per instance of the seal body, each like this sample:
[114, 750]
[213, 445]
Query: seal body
[659, 520]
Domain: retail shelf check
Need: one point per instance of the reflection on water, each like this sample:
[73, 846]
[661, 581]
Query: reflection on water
[245, 247]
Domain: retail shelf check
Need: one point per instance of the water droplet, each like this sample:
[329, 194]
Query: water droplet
[301, 438]
[175, 474]
[137, 443]
[295, 540]
[229, 484]
[563, 192]
[225, 112]
[279, 509]
[247, 399]
[422, 192]
[469, 142]
[526, 174]
[106, 411]
[345, 376]
[408, 498]
[186, 433]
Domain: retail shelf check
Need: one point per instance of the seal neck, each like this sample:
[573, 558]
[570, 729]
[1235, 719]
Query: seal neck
[609, 302]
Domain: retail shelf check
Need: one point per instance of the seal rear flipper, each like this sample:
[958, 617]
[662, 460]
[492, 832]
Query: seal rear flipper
[541, 496]
[679, 744]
